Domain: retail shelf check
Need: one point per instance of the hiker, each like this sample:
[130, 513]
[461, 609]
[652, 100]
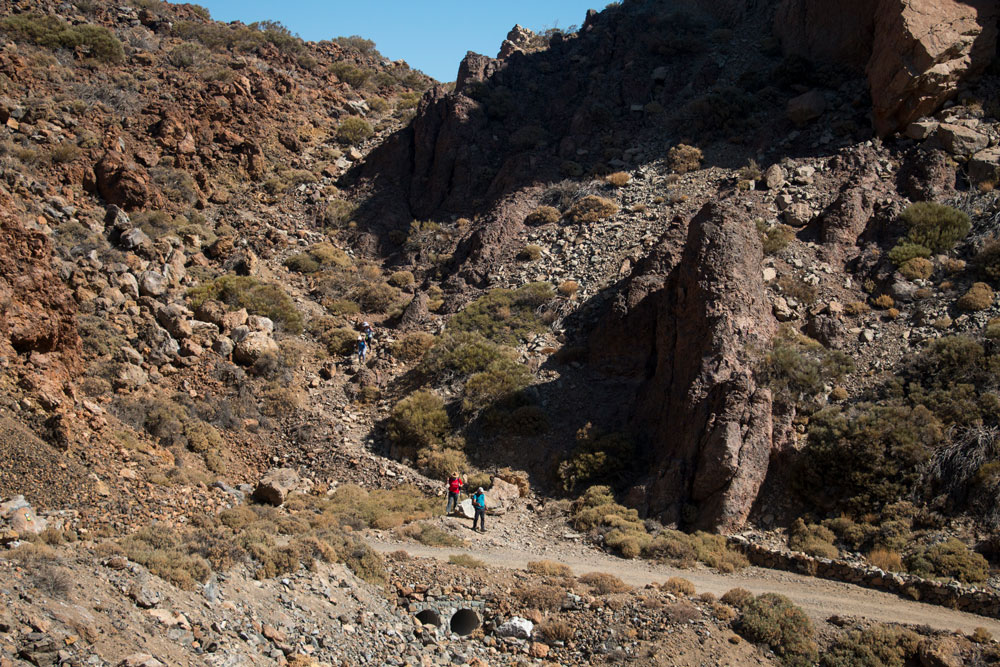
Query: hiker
[369, 333]
[362, 349]
[479, 504]
[454, 490]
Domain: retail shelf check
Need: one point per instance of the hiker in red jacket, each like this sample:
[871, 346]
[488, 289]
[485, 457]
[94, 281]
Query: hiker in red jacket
[454, 489]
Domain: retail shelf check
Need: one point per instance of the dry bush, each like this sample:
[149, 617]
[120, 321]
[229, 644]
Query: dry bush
[549, 568]
[543, 215]
[918, 268]
[430, 535]
[557, 631]
[619, 179]
[883, 302]
[544, 596]
[465, 560]
[979, 297]
[400, 555]
[812, 539]
[401, 278]
[592, 209]
[681, 612]
[530, 253]
[603, 583]
[677, 586]
[857, 308]
[736, 597]
[981, 635]
[413, 346]
[772, 619]
[568, 288]
[886, 559]
[723, 612]
[52, 580]
[683, 158]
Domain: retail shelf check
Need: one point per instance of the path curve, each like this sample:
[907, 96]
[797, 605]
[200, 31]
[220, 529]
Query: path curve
[820, 598]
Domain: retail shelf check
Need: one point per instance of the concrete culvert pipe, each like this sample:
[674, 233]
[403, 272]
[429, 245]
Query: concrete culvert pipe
[465, 622]
[429, 617]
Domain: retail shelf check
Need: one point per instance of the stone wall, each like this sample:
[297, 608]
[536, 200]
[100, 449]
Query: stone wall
[954, 595]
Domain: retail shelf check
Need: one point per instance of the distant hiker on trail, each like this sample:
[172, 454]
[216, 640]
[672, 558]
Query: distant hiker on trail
[454, 490]
[368, 333]
[479, 505]
[362, 349]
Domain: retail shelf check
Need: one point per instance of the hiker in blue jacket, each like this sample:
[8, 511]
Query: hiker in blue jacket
[479, 505]
[362, 349]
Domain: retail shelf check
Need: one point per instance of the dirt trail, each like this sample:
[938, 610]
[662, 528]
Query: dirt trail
[820, 598]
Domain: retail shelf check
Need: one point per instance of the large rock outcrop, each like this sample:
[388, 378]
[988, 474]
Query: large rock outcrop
[916, 53]
[706, 422]
[922, 51]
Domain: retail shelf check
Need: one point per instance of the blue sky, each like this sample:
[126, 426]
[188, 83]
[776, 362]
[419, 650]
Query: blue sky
[430, 36]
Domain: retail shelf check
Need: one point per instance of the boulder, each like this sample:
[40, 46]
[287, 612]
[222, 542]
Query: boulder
[519, 40]
[961, 140]
[121, 181]
[130, 376]
[174, 318]
[520, 628]
[252, 347]
[257, 323]
[128, 284]
[806, 107]
[921, 129]
[274, 487]
[24, 521]
[152, 283]
[134, 239]
[774, 177]
[465, 508]
[984, 166]
[211, 311]
[140, 660]
[502, 494]
[798, 214]
[922, 50]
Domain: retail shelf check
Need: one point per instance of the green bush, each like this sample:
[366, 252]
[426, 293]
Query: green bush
[772, 619]
[530, 253]
[935, 226]
[462, 353]
[905, 250]
[797, 368]
[812, 539]
[318, 257]
[505, 316]
[54, 33]
[987, 260]
[950, 558]
[355, 77]
[775, 239]
[413, 346]
[498, 382]
[877, 646]
[597, 458]
[419, 421]
[264, 299]
[354, 130]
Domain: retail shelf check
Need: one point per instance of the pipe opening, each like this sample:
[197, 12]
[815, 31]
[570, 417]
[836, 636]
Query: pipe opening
[429, 617]
[465, 622]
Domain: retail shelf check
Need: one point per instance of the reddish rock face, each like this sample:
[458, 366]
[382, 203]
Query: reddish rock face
[707, 423]
[37, 313]
[123, 182]
[923, 49]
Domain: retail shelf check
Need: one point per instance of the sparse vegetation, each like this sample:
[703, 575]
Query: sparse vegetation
[543, 215]
[772, 619]
[265, 299]
[591, 209]
[354, 130]
[683, 158]
[979, 297]
[54, 33]
[505, 316]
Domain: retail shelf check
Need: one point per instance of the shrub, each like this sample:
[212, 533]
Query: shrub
[568, 288]
[603, 583]
[886, 559]
[797, 368]
[374, 296]
[906, 250]
[530, 253]
[775, 239]
[618, 179]
[465, 560]
[591, 209]
[318, 257]
[413, 346]
[419, 421]
[683, 158]
[979, 297]
[857, 308]
[736, 597]
[678, 586]
[877, 646]
[598, 457]
[265, 299]
[987, 260]
[499, 381]
[557, 631]
[917, 268]
[950, 558]
[543, 215]
[462, 353]
[354, 130]
[337, 213]
[883, 302]
[430, 535]
[54, 33]
[549, 568]
[401, 278]
[812, 539]
[935, 226]
[772, 619]
[981, 635]
[505, 316]
[544, 596]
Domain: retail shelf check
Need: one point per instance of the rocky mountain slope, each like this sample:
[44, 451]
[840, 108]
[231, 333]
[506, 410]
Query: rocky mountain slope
[672, 259]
